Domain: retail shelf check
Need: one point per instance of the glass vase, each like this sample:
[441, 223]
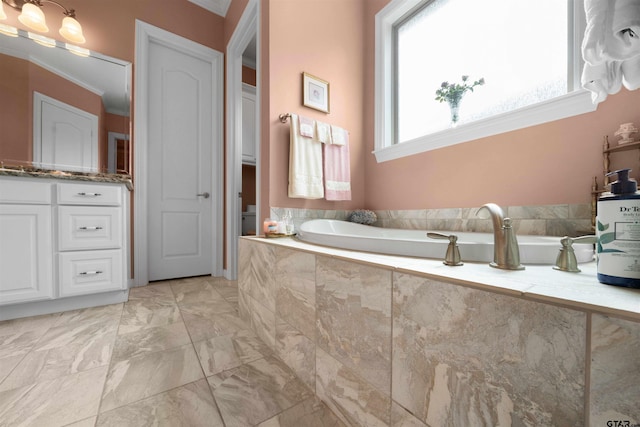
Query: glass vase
[454, 106]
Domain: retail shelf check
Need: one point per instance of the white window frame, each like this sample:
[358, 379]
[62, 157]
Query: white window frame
[385, 148]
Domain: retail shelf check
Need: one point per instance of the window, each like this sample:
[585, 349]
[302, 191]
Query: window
[527, 51]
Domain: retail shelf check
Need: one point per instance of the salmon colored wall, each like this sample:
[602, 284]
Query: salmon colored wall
[15, 126]
[248, 75]
[552, 163]
[117, 123]
[323, 38]
[234, 13]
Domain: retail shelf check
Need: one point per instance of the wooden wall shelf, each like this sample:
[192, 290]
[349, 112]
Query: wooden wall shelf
[625, 147]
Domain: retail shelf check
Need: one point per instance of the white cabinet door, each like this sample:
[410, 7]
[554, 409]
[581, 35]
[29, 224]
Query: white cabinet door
[26, 253]
[248, 124]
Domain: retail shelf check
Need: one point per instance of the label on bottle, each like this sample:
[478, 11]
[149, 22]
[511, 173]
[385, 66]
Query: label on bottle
[618, 232]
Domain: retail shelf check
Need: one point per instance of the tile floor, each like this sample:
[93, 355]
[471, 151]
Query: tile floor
[175, 354]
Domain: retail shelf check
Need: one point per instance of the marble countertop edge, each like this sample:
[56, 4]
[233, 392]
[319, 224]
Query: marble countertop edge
[540, 283]
[71, 176]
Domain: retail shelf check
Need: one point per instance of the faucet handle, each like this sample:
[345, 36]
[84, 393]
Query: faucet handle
[566, 260]
[452, 257]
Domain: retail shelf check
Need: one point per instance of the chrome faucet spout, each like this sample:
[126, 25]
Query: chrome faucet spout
[506, 253]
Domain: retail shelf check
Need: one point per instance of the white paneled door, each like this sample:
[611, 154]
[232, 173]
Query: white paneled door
[180, 219]
[64, 137]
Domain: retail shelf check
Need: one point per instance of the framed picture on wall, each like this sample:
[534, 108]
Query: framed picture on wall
[315, 92]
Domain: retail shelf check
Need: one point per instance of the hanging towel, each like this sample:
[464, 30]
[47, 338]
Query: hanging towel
[611, 47]
[596, 12]
[323, 132]
[631, 73]
[602, 80]
[337, 166]
[623, 38]
[307, 126]
[339, 136]
[305, 165]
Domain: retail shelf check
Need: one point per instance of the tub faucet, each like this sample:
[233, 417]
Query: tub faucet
[506, 254]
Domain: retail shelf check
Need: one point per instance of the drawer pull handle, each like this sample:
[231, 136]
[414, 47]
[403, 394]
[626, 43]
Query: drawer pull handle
[89, 194]
[90, 228]
[90, 273]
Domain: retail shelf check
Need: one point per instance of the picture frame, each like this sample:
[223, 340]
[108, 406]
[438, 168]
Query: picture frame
[315, 93]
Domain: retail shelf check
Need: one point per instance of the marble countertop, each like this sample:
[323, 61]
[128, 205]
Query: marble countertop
[33, 172]
[541, 283]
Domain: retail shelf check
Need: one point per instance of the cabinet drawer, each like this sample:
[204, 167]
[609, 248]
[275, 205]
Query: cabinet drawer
[29, 191]
[89, 227]
[89, 272]
[89, 194]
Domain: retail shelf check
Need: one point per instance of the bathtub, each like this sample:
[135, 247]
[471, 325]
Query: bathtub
[473, 246]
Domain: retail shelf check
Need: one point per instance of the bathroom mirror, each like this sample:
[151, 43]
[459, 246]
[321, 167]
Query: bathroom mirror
[62, 110]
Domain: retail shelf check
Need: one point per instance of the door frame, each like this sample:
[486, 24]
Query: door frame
[247, 28]
[145, 34]
[112, 150]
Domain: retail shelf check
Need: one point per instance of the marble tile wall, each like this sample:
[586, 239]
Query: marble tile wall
[469, 357]
[352, 298]
[615, 371]
[393, 349]
[546, 220]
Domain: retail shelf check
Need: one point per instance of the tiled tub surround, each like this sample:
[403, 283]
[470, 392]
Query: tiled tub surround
[548, 220]
[387, 340]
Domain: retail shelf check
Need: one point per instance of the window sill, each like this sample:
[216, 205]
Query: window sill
[572, 104]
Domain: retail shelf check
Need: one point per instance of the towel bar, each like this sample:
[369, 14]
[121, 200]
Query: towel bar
[284, 117]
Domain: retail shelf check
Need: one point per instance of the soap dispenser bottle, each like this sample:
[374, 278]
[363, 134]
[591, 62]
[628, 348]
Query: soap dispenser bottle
[618, 233]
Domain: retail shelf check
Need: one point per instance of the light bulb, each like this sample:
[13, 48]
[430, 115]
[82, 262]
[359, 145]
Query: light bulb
[33, 17]
[71, 30]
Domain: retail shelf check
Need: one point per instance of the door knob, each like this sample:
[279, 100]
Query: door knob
[205, 195]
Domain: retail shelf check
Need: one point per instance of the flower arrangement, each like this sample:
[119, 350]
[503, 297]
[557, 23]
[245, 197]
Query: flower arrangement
[452, 92]
[362, 216]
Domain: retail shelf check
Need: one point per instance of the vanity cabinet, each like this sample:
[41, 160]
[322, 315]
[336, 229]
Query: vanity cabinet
[90, 239]
[248, 124]
[26, 250]
[61, 240]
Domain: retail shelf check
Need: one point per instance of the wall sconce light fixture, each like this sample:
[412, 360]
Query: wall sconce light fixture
[33, 17]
